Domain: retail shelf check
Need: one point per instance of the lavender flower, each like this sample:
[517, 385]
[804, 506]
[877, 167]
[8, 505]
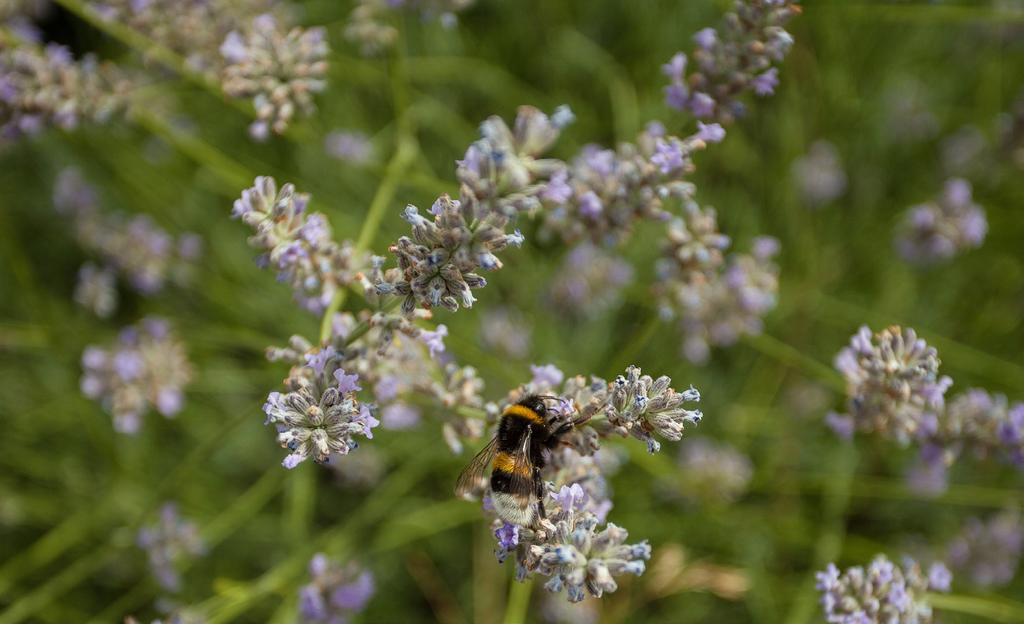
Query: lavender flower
[170, 543]
[349, 145]
[819, 174]
[504, 329]
[145, 254]
[279, 68]
[988, 551]
[712, 472]
[45, 86]
[589, 282]
[981, 423]
[715, 299]
[603, 193]
[884, 592]
[939, 230]
[146, 367]
[95, 290]
[334, 593]
[731, 61]
[319, 415]
[640, 406]
[571, 549]
[893, 384]
[298, 245]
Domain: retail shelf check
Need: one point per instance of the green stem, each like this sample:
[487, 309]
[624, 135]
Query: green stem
[830, 542]
[775, 348]
[518, 601]
[994, 610]
[143, 45]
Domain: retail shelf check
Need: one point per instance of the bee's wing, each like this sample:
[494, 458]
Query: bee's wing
[472, 474]
[522, 468]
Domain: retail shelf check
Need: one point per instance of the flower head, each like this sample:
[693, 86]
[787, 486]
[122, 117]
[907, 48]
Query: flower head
[939, 230]
[144, 368]
[279, 68]
[169, 543]
[893, 383]
[334, 593]
[884, 592]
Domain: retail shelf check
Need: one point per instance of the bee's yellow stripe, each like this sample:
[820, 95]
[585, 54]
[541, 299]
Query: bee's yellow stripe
[524, 412]
[506, 462]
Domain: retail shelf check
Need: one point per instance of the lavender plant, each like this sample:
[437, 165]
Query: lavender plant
[569, 546]
[169, 543]
[334, 593]
[249, 47]
[819, 174]
[144, 368]
[279, 68]
[731, 61]
[589, 282]
[712, 473]
[895, 390]
[297, 245]
[144, 254]
[893, 384]
[987, 551]
[45, 86]
[714, 298]
[939, 230]
[884, 592]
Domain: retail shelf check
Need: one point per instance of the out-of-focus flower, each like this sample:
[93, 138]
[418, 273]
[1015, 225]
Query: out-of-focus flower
[146, 367]
[504, 328]
[981, 424]
[716, 299]
[145, 254]
[279, 68]
[95, 290]
[819, 174]
[370, 24]
[362, 470]
[884, 592]
[170, 543]
[893, 383]
[908, 117]
[193, 29]
[42, 87]
[987, 552]
[941, 229]
[711, 472]
[589, 281]
[334, 593]
[349, 145]
[298, 245]
[603, 193]
[732, 61]
[963, 151]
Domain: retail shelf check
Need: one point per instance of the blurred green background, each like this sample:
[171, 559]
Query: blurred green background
[73, 492]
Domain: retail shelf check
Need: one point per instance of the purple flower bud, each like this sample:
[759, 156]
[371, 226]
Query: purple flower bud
[434, 339]
[710, 133]
[347, 383]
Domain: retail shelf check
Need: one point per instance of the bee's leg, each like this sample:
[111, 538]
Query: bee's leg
[538, 485]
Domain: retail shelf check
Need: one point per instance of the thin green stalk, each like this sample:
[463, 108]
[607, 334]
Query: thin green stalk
[143, 45]
[830, 542]
[996, 610]
[518, 601]
[775, 348]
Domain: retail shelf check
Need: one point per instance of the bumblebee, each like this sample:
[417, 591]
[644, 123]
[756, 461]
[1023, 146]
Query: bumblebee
[527, 433]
